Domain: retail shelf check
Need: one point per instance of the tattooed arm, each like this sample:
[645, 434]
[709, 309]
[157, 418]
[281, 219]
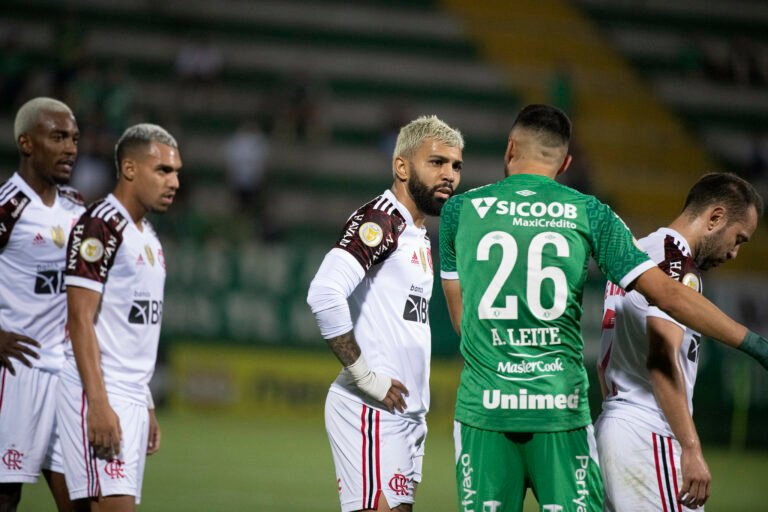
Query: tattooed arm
[335, 281]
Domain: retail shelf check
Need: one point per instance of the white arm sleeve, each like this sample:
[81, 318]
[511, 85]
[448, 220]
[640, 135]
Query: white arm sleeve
[336, 279]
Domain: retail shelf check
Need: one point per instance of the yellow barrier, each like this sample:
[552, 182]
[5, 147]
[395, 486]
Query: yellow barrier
[273, 382]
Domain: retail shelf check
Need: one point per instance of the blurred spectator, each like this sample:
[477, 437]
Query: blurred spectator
[246, 154]
[298, 118]
[198, 68]
[396, 117]
[94, 173]
[199, 61]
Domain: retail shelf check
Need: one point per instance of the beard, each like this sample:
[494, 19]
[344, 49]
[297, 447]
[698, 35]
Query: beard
[424, 197]
[706, 254]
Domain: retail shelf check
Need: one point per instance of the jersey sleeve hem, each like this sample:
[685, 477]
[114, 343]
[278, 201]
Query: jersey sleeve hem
[354, 264]
[449, 275]
[633, 274]
[82, 282]
[657, 313]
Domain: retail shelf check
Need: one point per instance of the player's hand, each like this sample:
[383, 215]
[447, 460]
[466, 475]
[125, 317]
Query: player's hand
[696, 479]
[104, 432]
[153, 442]
[16, 346]
[395, 399]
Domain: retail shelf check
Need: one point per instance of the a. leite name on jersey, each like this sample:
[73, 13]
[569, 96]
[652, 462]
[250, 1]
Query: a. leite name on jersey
[536, 336]
[495, 399]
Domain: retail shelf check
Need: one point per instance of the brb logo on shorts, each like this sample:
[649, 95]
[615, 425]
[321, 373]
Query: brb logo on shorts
[12, 459]
[399, 484]
[146, 312]
[115, 469]
[49, 282]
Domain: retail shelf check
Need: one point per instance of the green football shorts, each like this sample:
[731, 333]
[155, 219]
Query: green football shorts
[494, 469]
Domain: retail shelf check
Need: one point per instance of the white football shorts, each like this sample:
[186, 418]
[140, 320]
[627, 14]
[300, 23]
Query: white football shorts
[374, 452]
[90, 476]
[28, 435]
[641, 469]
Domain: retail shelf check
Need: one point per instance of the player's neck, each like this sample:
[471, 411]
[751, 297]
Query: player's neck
[131, 203]
[45, 189]
[515, 167]
[400, 189]
[688, 230]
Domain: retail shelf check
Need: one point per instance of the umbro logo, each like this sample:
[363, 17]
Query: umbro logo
[525, 193]
[482, 205]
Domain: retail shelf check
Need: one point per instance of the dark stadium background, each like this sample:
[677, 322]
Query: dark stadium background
[312, 92]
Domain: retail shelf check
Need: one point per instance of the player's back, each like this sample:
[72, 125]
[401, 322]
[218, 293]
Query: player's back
[521, 249]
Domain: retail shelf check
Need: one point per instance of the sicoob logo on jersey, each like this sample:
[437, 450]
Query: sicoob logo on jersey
[49, 282]
[416, 309]
[146, 312]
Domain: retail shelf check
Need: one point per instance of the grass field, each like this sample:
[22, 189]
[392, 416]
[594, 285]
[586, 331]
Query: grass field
[210, 463]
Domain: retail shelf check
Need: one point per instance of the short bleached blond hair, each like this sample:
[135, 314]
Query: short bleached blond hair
[413, 135]
[29, 114]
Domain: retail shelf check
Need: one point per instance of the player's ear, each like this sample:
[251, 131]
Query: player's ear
[24, 144]
[510, 152]
[717, 218]
[566, 164]
[128, 168]
[401, 168]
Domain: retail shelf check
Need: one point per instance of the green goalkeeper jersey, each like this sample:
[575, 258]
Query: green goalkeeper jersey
[521, 250]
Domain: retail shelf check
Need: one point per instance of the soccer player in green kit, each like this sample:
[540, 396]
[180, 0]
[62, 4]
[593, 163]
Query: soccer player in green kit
[514, 258]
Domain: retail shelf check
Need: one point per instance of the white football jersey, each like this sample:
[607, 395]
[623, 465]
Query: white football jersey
[108, 254]
[33, 239]
[390, 306]
[624, 344]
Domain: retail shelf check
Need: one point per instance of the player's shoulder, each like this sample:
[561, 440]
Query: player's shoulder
[71, 195]
[103, 213]
[13, 199]
[148, 227]
[382, 211]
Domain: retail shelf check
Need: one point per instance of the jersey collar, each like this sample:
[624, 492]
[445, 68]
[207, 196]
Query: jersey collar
[677, 236]
[24, 186]
[400, 207]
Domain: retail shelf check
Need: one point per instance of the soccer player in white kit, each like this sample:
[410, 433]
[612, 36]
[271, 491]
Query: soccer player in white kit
[115, 276]
[370, 297]
[37, 212]
[650, 454]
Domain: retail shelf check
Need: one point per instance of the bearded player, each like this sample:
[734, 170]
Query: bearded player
[514, 260]
[650, 453]
[371, 300]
